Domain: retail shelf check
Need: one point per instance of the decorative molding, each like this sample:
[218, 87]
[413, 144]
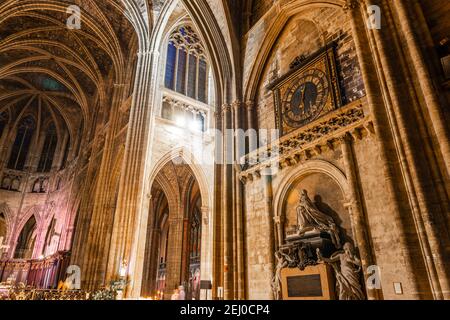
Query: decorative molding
[309, 141]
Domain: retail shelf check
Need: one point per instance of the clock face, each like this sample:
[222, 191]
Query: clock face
[306, 99]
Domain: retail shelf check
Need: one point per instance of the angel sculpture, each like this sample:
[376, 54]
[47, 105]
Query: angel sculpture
[310, 218]
[283, 261]
[347, 268]
[276, 281]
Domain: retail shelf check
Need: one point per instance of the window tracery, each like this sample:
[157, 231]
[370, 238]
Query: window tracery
[22, 143]
[186, 64]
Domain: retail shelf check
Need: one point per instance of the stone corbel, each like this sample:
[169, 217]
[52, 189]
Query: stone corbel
[308, 154]
[357, 133]
[350, 5]
[318, 149]
[236, 105]
[226, 108]
[250, 105]
[278, 220]
[370, 128]
[330, 145]
[346, 138]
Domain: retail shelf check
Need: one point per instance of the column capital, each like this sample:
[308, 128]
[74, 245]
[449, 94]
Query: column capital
[346, 138]
[250, 104]
[226, 107]
[278, 219]
[148, 53]
[236, 105]
[204, 210]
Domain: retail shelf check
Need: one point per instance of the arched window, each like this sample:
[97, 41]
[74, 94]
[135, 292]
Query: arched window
[49, 237]
[21, 147]
[186, 65]
[66, 154]
[27, 238]
[3, 122]
[48, 152]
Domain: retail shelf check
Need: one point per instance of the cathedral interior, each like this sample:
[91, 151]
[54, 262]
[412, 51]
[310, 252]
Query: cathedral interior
[225, 149]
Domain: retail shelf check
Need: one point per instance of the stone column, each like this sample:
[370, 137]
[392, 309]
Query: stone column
[415, 174]
[428, 217]
[92, 247]
[252, 140]
[357, 213]
[175, 252]
[60, 149]
[131, 217]
[37, 145]
[227, 204]
[381, 126]
[268, 195]
[217, 220]
[238, 226]
[408, 25]
[153, 259]
[4, 144]
[152, 246]
[206, 252]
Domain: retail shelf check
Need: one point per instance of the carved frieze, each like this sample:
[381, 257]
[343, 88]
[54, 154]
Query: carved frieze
[312, 139]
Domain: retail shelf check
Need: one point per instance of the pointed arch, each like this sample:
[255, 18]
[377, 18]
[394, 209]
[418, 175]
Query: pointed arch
[8, 215]
[26, 240]
[314, 166]
[212, 38]
[273, 32]
[190, 161]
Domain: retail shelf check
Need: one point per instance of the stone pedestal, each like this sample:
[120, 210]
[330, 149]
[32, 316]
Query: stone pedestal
[313, 283]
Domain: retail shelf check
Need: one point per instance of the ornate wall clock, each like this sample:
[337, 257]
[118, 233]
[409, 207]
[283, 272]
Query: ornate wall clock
[308, 91]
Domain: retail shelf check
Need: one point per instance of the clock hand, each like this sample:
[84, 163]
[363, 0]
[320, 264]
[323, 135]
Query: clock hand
[303, 96]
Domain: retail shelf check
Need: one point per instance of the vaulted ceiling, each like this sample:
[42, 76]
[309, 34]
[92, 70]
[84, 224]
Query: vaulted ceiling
[66, 70]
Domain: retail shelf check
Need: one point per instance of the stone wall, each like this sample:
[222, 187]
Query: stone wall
[304, 35]
[333, 199]
[259, 9]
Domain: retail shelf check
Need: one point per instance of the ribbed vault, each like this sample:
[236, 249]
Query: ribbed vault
[69, 71]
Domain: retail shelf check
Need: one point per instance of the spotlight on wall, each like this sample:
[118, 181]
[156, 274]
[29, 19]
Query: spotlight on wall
[123, 269]
[196, 125]
[180, 121]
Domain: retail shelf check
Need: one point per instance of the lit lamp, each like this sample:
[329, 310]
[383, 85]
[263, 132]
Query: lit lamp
[123, 279]
[123, 269]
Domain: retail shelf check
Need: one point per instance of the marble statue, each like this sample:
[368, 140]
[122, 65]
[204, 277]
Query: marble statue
[181, 293]
[281, 263]
[310, 218]
[347, 268]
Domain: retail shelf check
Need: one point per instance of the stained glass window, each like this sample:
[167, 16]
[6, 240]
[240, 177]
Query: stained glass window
[181, 71]
[192, 79]
[21, 146]
[48, 152]
[186, 66]
[170, 66]
[202, 79]
[66, 154]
